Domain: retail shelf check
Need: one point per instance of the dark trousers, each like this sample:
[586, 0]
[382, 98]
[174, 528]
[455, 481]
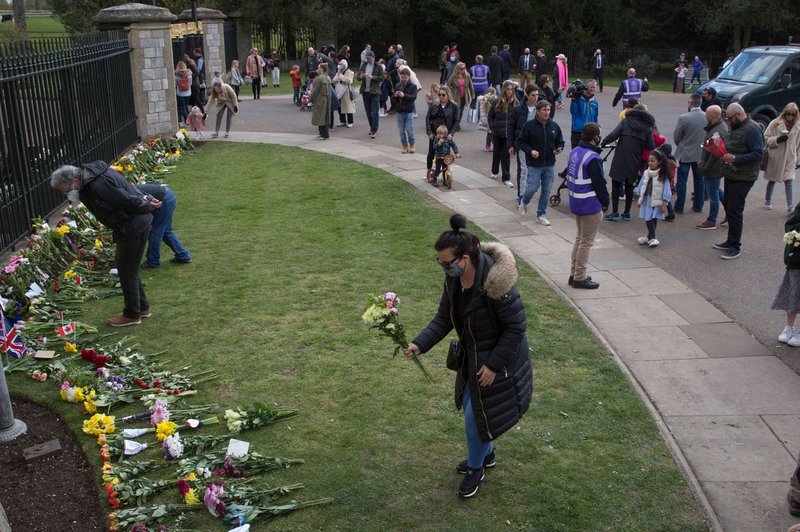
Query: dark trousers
[323, 132]
[296, 96]
[440, 167]
[371, 109]
[430, 156]
[128, 257]
[616, 188]
[733, 203]
[236, 89]
[256, 88]
[461, 104]
[651, 228]
[500, 157]
[597, 73]
[345, 118]
[196, 99]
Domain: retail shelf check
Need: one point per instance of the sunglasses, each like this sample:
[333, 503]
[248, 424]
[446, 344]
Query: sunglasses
[447, 263]
[442, 94]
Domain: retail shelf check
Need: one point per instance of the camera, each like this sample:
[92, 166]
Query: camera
[576, 90]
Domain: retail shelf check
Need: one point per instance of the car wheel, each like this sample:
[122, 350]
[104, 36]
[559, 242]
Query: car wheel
[762, 121]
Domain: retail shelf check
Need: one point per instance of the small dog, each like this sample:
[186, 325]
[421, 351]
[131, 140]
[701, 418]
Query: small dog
[196, 121]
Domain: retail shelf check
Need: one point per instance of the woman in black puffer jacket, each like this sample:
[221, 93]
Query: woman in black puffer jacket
[444, 113]
[498, 122]
[494, 380]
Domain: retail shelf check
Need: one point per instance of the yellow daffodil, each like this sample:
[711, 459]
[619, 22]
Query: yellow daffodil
[98, 244]
[177, 153]
[70, 274]
[164, 429]
[62, 230]
[70, 347]
[191, 476]
[88, 405]
[129, 168]
[117, 167]
[99, 424]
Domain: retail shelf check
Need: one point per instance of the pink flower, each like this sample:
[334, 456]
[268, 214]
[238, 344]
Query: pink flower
[394, 311]
[390, 296]
[211, 498]
[160, 412]
[389, 304]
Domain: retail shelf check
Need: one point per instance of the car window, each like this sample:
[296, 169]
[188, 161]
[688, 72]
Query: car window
[751, 67]
[794, 71]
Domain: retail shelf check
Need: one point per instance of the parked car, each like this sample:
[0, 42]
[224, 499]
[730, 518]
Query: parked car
[762, 79]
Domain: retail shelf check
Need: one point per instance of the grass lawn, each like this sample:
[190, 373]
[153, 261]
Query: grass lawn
[37, 27]
[287, 244]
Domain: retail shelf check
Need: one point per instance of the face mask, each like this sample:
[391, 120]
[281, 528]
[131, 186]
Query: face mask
[453, 270]
[73, 196]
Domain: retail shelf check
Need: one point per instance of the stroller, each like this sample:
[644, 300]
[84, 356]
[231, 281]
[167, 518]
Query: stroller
[305, 97]
[196, 121]
[447, 173]
[555, 199]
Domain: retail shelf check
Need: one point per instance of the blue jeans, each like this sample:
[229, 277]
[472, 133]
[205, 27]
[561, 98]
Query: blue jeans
[476, 449]
[539, 176]
[162, 230]
[371, 108]
[715, 195]
[405, 121]
[680, 186]
[183, 107]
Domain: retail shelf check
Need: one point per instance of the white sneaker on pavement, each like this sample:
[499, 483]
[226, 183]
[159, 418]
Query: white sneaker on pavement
[794, 341]
[786, 334]
[653, 243]
[542, 220]
[494, 176]
[509, 184]
[523, 209]
[643, 240]
[768, 205]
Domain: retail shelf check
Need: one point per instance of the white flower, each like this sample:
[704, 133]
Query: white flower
[173, 447]
[234, 420]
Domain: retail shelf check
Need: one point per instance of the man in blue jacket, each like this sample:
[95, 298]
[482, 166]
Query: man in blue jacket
[540, 140]
[126, 211]
[584, 109]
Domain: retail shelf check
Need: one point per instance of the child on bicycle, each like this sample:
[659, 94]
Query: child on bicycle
[441, 148]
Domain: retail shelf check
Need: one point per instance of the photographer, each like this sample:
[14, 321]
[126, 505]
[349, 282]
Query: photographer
[584, 108]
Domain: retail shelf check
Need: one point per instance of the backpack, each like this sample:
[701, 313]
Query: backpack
[183, 84]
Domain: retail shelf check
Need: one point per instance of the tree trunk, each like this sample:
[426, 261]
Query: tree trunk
[737, 35]
[20, 24]
[748, 32]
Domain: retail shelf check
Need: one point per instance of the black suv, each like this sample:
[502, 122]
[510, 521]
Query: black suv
[762, 79]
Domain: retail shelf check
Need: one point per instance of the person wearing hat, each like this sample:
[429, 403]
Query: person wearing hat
[225, 98]
[560, 78]
[342, 85]
[371, 75]
[710, 98]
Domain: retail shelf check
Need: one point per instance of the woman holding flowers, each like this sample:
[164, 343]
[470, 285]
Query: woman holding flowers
[494, 379]
[788, 297]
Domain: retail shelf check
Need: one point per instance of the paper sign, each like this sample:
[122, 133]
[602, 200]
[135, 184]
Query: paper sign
[34, 290]
[42, 275]
[243, 528]
[113, 271]
[73, 224]
[237, 448]
[44, 354]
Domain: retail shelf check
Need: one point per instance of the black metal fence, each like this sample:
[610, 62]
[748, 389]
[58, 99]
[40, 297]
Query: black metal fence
[185, 45]
[62, 101]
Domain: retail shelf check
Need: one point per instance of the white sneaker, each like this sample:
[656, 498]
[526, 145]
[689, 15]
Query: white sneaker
[509, 184]
[653, 243]
[643, 240]
[349, 125]
[523, 209]
[494, 176]
[542, 220]
[794, 341]
[768, 205]
[790, 210]
[786, 334]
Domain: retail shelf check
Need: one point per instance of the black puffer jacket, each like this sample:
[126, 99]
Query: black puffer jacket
[438, 115]
[633, 135]
[498, 120]
[116, 203]
[493, 335]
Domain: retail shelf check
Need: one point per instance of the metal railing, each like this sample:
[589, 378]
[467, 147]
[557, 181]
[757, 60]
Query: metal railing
[65, 100]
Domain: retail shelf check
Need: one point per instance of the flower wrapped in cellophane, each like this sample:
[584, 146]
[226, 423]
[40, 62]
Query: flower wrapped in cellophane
[382, 314]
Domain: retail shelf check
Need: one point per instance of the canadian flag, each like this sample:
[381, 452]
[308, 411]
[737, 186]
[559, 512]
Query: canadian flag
[64, 330]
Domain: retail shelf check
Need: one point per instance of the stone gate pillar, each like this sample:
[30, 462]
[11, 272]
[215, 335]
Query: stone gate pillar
[152, 66]
[213, 39]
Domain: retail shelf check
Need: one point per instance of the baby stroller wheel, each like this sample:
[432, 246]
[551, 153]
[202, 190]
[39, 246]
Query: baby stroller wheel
[555, 200]
[448, 178]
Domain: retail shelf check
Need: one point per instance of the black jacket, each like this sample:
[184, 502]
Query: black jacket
[114, 202]
[498, 121]
[541, 66]
[544, 138]
[516, 119]
[493, 335]
[406, 103]
[715, 100]
[633, 135]
[505, 55]
[495, 64]
[437, 116]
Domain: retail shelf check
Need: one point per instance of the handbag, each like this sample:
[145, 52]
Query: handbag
[353, 94]
[765, 161]
[455, 356]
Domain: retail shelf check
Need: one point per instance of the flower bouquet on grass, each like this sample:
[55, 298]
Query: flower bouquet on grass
[382, 314]
[255, 415]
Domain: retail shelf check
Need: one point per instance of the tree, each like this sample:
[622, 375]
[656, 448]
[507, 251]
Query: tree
[738, 19]
[20, 24]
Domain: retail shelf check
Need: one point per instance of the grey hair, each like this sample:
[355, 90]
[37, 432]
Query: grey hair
[735, 108]
[64, 176]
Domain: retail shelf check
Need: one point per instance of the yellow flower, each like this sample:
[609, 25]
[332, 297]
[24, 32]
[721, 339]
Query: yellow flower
[88, 404]
[191, 476]
[62, 230]
[177, 153]
[63, 394]
[70, 274]
[129, 168]
[70, 347]
[164, 429]
[99, 424]
[98, 244]
[117, 167]
[191, 497]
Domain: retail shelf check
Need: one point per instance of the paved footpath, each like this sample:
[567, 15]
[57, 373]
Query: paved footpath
[728, 407]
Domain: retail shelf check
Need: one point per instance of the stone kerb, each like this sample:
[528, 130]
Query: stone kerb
[151, 64]
[213, 34]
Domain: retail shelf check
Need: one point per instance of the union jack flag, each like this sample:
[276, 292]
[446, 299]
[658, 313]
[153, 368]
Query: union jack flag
[10, 342]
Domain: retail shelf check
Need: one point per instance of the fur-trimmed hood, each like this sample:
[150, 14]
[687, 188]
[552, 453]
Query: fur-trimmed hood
[503, 275]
